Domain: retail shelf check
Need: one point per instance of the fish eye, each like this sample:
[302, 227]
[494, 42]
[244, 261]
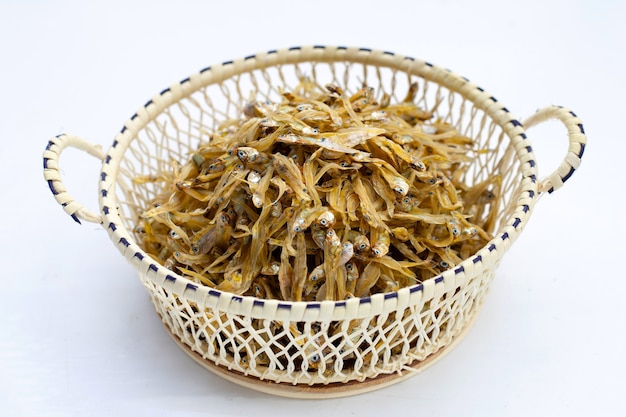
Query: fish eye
[241, 154]
[376, 251]
[323, 222]
[314, 277]
[431, 181]
[342, 351]
[362, 246]
[315, 358]
[316, 131]
[444, 264]
[455, 231]
[349, 266]
[300, 107]
[471, 231]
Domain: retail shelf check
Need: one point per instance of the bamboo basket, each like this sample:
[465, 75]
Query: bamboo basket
[399, 333]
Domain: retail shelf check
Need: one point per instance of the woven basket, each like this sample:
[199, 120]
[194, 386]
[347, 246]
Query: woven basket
[397, 333]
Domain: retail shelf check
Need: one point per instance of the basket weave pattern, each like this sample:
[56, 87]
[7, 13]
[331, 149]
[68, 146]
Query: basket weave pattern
[381, 334]
[386, 342]
[338, 341]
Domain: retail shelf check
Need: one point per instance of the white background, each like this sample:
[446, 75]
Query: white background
[78, 335]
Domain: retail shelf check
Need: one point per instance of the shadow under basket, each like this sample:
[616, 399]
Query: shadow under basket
[345, 347]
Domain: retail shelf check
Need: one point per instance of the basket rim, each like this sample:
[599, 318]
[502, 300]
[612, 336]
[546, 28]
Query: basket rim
[337, 309]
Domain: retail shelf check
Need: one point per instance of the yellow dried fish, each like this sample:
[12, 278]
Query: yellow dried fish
[323, 194]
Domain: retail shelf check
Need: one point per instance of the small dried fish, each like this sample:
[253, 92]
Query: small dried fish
[324, 194]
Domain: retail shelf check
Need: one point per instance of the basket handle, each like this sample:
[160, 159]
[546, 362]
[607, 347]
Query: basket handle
[52, 174]
[577, 142]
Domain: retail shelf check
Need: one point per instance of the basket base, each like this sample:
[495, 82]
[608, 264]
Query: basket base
[334, 390]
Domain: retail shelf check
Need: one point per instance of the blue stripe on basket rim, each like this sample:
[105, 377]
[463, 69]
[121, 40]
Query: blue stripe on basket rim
[52, 188]
[569, 174]
[298, 48]
[288, 305]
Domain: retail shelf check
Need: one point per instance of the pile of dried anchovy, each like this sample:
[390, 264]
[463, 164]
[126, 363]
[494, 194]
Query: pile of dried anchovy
[323, 196]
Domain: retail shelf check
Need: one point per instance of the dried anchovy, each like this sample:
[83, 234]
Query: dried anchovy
[321, 196]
